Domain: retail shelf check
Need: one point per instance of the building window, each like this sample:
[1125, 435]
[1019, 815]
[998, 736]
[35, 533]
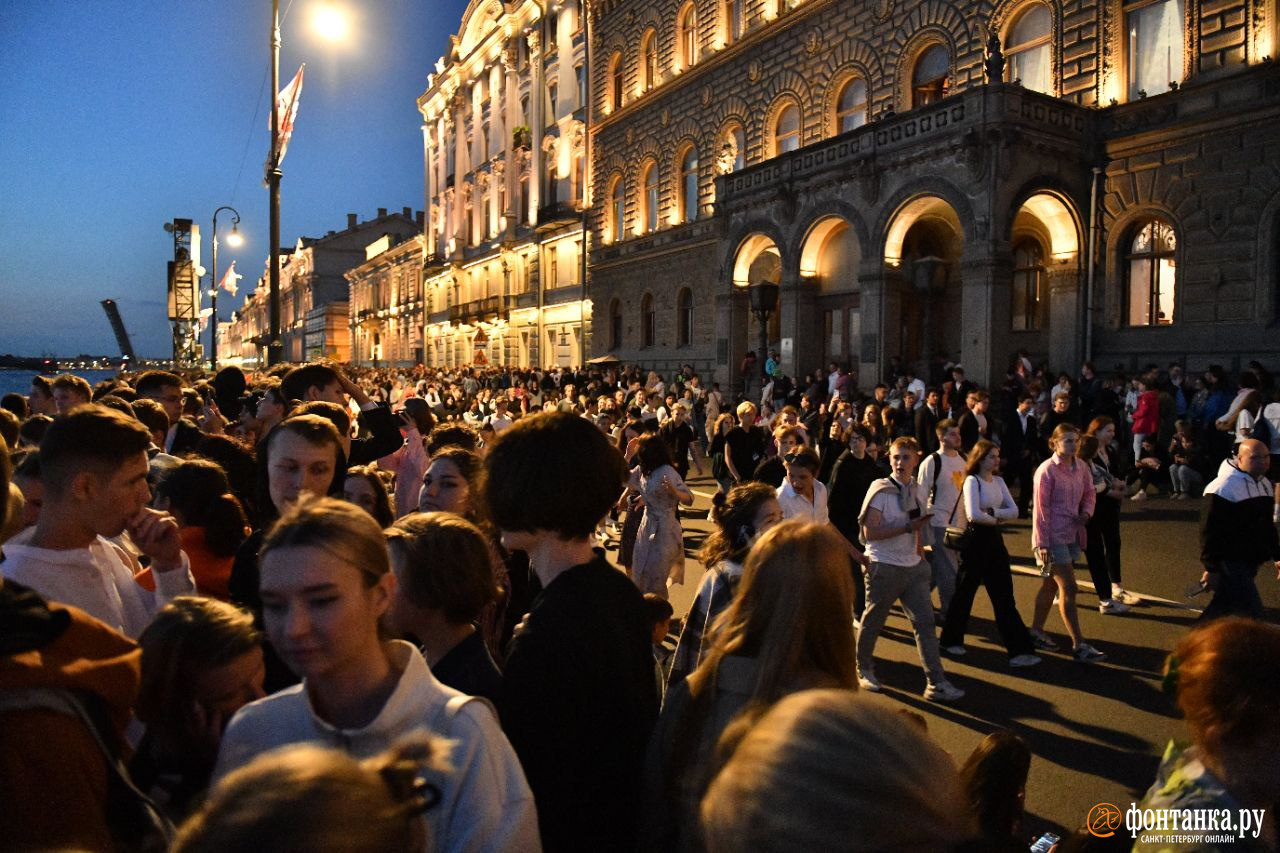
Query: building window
[1155, 46]
[552, 93]
[1028, 50]
[734, 19]
[1151, 268]
[484, 141]
[737, 138]
[684, 317]
[649, 60]
[617, 208]
[615, 82]
[786, 130]
[552, 29]
[550, 186]
[580, 75]
[689, 36]
[689, 185]
[648, 321]
[615, 324]
[1028, 284]
[524, 110]
[851, 106]
[579, 179]
[931, 76]
[649, 195]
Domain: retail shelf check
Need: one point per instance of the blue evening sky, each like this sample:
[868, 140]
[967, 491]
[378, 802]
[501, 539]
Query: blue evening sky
[117, 116]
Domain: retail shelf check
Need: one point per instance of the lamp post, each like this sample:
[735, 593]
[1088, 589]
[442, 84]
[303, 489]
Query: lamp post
[764, 299]
[233, 240]
[275, 347]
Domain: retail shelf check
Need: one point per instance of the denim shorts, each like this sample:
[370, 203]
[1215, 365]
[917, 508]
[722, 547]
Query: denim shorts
[1059, 555]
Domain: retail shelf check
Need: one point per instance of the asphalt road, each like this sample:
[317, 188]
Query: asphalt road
[1096, 731]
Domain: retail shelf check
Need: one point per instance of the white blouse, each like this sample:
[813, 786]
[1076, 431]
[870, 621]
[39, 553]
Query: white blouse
[988, 503]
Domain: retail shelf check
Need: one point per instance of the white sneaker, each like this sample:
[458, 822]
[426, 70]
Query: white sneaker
[1112, 608]
[1140, 496]
[943, 691]
[869, 682]
[1123, 595]
[1085, 653]
[1024, 660]
[954, 651]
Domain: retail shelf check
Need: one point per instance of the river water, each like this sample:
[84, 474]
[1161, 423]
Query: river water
[20, 380]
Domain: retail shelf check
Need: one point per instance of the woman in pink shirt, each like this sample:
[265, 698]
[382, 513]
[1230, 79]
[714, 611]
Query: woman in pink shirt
[1064, 501]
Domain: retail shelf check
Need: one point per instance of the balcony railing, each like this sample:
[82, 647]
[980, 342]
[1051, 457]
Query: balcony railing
[558, 211]
[488, 309]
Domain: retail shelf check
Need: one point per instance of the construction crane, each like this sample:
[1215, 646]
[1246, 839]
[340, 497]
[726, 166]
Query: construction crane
[117, 326]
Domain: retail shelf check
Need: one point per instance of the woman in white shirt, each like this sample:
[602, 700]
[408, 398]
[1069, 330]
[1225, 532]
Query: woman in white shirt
[985, 560]
[326, 584]
[802, 495]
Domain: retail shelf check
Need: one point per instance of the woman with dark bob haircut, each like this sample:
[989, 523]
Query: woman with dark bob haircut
[578, 693]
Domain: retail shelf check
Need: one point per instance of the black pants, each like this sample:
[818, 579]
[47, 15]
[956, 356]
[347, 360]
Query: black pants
[1102, 550]
[1022, 470]
[1237, 592]
[985, 562]
[859, 589]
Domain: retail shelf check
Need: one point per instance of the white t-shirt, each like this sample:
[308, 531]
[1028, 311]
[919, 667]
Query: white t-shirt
[900, 550]
[949, 480]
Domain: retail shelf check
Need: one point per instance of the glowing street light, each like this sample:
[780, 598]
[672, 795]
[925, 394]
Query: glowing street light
[330, 22]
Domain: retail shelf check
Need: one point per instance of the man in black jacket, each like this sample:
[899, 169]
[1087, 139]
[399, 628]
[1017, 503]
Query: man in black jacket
[1019, 447]
[927, 417]
[324, 382]
[1237, 533]
[852, 476]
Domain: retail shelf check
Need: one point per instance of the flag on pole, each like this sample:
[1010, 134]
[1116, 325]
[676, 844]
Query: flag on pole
[229, 279]
[287, 109]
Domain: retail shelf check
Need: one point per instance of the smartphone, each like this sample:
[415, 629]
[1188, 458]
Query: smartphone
[1045, 843]
[914, 513]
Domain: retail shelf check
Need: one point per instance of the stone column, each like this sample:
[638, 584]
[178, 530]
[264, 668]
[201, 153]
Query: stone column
[511, 174]
[428, 225]
[1065, 315]
[874, 315]
[732, 312]
[798, 321]
[984, 317]
[536, 94]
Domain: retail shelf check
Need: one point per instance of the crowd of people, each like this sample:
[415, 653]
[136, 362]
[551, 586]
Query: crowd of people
[333, 606]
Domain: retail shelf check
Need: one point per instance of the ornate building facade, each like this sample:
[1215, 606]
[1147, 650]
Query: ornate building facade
[934, 180]
[504, 143]
[314, 305]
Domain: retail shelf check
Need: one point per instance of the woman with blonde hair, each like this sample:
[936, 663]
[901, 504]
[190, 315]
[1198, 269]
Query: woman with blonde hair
[326, 585]
[787, 630]
[303, 798]
[831, 770]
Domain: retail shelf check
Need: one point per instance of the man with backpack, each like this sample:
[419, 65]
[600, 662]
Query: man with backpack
[942, 474]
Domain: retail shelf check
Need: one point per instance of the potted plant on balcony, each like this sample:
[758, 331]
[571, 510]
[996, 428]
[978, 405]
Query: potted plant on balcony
[521, 137]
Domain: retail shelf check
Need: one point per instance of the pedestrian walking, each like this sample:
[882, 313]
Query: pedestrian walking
[658, 560]
[984, 560]
[1064, 502]
[1237, 534]
[1102, 534]
[892, 519]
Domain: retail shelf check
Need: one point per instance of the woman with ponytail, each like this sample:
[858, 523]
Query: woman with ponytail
[748, 511]
[211, 523]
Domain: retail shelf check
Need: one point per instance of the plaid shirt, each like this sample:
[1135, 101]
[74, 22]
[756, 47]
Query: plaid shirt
[715, 593]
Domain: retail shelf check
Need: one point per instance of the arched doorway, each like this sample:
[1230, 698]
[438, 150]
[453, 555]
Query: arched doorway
[757, 260]
[1043, 304]
[922, 253]
[830, 257]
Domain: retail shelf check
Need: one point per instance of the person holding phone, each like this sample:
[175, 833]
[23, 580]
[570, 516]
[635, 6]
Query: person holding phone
[891, 520]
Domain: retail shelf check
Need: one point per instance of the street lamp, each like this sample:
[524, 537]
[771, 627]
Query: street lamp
[234, 240]
[331, 24]
[764, 299]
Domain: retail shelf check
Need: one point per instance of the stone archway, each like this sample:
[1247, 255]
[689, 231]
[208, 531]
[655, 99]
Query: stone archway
[1042, 312]
[757, 259]
[830, 257]
[923, 300]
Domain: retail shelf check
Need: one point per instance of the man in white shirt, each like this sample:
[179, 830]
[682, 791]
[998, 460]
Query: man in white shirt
[891, 521]
[499, 420]
[94, 468]
[942, 475]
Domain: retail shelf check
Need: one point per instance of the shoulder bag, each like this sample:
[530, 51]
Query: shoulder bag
[957, 538]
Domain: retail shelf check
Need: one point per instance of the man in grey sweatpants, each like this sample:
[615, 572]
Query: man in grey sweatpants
[892, 518]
